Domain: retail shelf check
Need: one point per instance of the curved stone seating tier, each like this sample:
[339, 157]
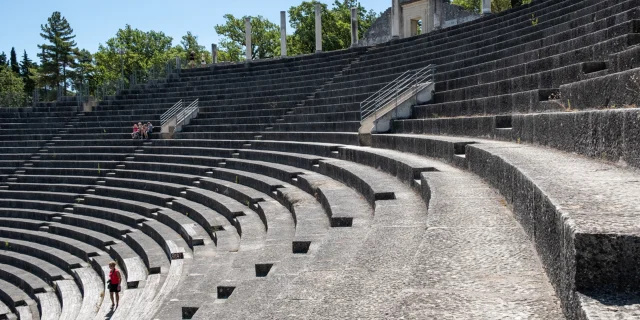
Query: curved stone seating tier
[79, 249]
[18, 301]
[92, 292]
[102, 208]
[38, 267]
[559, 208]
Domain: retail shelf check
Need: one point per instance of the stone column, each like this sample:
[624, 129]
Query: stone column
[283, 33]
[214, 53]
[354, 26]
[437, 16]
[429, 15]
[247, 32]
[318, 27]
[486, 6]
[396, 18]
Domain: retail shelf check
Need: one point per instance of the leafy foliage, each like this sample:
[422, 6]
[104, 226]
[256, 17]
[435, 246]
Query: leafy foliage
[3, 59]
[133, 50]
[11, 88]
[336, 25]
[265, 38]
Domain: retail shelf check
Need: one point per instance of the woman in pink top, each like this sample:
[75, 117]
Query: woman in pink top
[135, 132]
[114, 283]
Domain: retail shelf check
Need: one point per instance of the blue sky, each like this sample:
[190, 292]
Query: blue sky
[96, 21]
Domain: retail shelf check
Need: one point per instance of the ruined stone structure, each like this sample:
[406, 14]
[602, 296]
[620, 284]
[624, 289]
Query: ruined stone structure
[512, 194]
[415, 17]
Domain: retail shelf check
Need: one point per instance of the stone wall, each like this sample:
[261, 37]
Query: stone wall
[454, 15]
[379, 32]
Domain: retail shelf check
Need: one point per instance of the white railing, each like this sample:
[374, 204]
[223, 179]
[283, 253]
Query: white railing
[408, 81]
[171, 112]
[188, 113]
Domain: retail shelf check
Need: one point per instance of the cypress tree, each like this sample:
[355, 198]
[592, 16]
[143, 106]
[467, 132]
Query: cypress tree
[58, 55]
[27, 76]
[3, 59]
[14, 61]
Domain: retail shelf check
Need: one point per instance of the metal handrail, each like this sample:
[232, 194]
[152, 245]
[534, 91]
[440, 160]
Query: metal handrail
[187, 112]
[171, 112]
[409, 80]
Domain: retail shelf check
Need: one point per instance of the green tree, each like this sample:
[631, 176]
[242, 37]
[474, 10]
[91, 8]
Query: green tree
[3, 59]
[85, 70]
[11, 88]
[190, 44]
[26, 72]
[133, 51]
[58, 55]
[336, 25]
[14, 61]
[265, 38]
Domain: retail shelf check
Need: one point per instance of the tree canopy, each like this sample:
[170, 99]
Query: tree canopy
[265, 38]
[336, 25]
[58, 55]
[265, 35]
[11, 88]
[136, 54]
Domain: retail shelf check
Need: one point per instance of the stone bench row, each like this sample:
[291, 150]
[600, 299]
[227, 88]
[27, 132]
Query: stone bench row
[286, 66]
[155, 230]
[605, 134]
[519, 16]
[549, 17]
[18, 301]
[83, 230]
[509, 168]
[306, 78]
[344, 126]
[474, 58]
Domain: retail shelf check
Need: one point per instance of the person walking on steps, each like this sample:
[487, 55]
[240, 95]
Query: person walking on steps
[114, 283]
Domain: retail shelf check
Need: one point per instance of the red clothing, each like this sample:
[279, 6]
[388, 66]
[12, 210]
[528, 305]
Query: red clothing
[114, 276]
[135, 129]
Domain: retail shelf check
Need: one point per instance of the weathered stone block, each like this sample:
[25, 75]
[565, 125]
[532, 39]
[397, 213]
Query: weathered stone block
[631, 138]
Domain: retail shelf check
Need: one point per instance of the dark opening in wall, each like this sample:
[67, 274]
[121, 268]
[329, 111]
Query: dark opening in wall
[189, 312]
[225, 292]
[459, 148]
[301, 247]
[503, 122]
[341, 222]
[262, 270]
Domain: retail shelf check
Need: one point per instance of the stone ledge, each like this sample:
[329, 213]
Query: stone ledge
[577, 211]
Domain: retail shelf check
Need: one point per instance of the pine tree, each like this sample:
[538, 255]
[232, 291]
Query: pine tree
[25, 72]
[3, 59]
[14, 61]
[58, 56]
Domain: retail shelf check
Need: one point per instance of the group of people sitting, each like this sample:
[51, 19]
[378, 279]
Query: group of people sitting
[142, 131]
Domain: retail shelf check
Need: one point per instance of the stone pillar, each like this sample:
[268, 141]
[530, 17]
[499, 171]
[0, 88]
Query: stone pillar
[283, 33]
[396, 18]
[36, 97]
[318, 27]
[437, 13]
[354, 26]
[247, 32]
[429, 15]
[486, 6]
[214, 53]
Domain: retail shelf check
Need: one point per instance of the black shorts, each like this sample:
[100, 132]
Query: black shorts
[113, 288]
